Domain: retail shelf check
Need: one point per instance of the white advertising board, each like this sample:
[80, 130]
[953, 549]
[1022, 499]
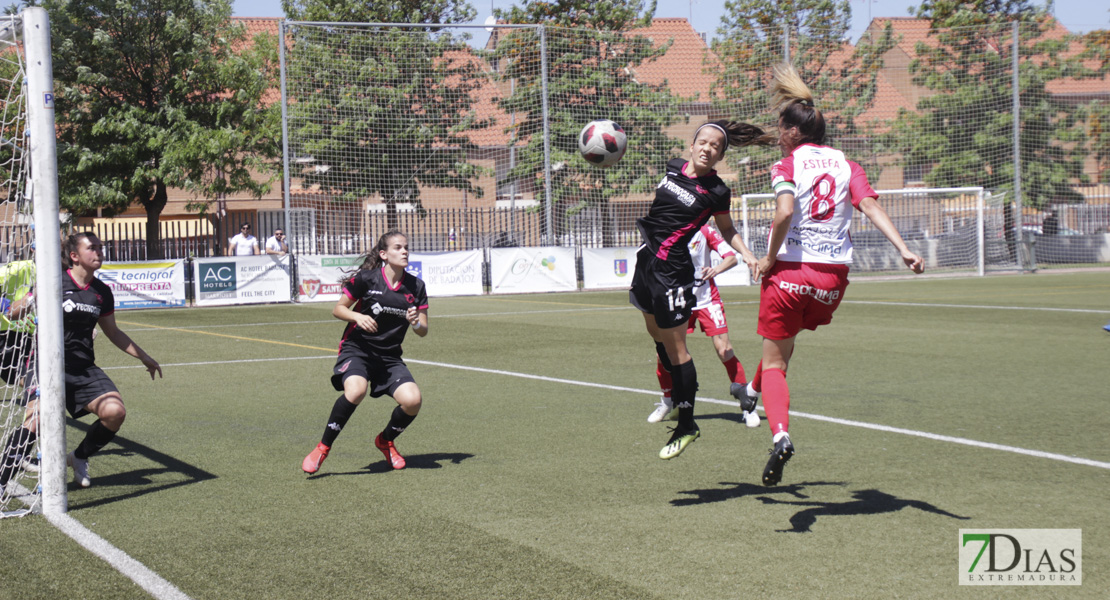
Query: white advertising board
[608, 267]
[145, 284]
[449, 273]
[241, 280]
[444, 273]
[540, 269]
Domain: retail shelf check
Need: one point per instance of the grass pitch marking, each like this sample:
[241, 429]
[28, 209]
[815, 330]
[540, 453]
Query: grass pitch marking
[617, 388]
[134, 570]
[939, 305]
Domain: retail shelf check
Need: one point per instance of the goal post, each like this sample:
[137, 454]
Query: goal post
[951, 228]
[29, 154]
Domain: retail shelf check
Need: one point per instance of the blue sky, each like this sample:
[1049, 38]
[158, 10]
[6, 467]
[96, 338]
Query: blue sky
[1079, 16]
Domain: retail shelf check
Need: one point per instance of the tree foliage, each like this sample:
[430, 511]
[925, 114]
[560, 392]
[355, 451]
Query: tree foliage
[591, 62]
[963, 129]
[158, 94]
[1097, 112]
[756, 34]
[385, 110]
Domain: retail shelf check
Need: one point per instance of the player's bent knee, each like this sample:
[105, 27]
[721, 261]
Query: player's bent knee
[409, 397]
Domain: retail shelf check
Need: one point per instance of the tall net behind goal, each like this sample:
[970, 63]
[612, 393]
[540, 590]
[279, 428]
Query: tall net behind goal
[953, 229]
[30, 339]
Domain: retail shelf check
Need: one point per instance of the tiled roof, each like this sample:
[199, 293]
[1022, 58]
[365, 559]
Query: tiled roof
[687, 67]
[909, 31]
[254, 27]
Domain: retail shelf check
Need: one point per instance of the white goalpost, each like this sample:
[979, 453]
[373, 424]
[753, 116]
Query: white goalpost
[29, 225]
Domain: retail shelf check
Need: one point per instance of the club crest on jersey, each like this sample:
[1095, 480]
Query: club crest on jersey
[410, 298]
[701, 190]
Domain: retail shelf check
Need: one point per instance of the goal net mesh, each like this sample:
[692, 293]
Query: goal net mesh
[18, 466]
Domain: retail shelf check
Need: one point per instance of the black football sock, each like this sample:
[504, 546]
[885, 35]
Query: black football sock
[19, 443]
[98, 436]
[398, 421]
[661, 350]
[340, 413]
[682, 394]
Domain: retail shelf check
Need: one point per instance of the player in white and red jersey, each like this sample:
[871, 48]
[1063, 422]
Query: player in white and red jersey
[663, 283]
[709, 313]
[805, 271]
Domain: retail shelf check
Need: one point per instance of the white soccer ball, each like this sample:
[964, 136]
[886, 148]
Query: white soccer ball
[602, 143]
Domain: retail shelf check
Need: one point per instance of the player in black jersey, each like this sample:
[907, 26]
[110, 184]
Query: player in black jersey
[380, 302]
[86, 303]
[663, 284]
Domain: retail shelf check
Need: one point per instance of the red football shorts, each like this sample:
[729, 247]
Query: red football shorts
[798, 296]
[711, 318]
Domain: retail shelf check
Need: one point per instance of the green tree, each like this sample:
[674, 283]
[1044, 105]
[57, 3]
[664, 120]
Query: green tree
[158, 94]
[1097, 112]
[591, 63]
[383, 110]
[963, 130]
[754, 35]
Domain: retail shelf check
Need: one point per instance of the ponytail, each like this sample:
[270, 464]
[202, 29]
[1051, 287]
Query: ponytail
[738, 134]
[373, 258]
[793, 100]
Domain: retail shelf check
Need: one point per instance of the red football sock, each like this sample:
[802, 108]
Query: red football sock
[735, 370]
[757, 381]
[776, 400]
[665, 383]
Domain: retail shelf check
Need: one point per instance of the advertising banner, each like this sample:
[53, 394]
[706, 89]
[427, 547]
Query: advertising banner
[444, 274]
[241, 280]
[319, 277]
[542, 269]
[145, 284]
[608, 267]
[449, 273]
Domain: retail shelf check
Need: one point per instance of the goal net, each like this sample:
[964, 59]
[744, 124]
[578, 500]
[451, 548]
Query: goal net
[29, 273]
[953, 229]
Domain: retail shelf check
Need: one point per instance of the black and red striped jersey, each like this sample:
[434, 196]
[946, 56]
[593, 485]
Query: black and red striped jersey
[387, 304]
[682, 205]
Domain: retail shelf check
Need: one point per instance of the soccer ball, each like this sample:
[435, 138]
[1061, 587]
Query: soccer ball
[602, 142]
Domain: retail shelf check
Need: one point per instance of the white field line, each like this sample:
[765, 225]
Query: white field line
[937, 305]
[847, 422]
[612, 308]
[132, 569]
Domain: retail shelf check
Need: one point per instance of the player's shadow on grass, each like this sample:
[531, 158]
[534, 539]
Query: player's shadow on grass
[733, 490]
[735, 417]
[867, 502]
[137, 482]
[431, 460]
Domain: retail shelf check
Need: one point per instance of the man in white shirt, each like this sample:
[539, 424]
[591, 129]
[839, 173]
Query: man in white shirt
[276, 243]
[243, 244]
